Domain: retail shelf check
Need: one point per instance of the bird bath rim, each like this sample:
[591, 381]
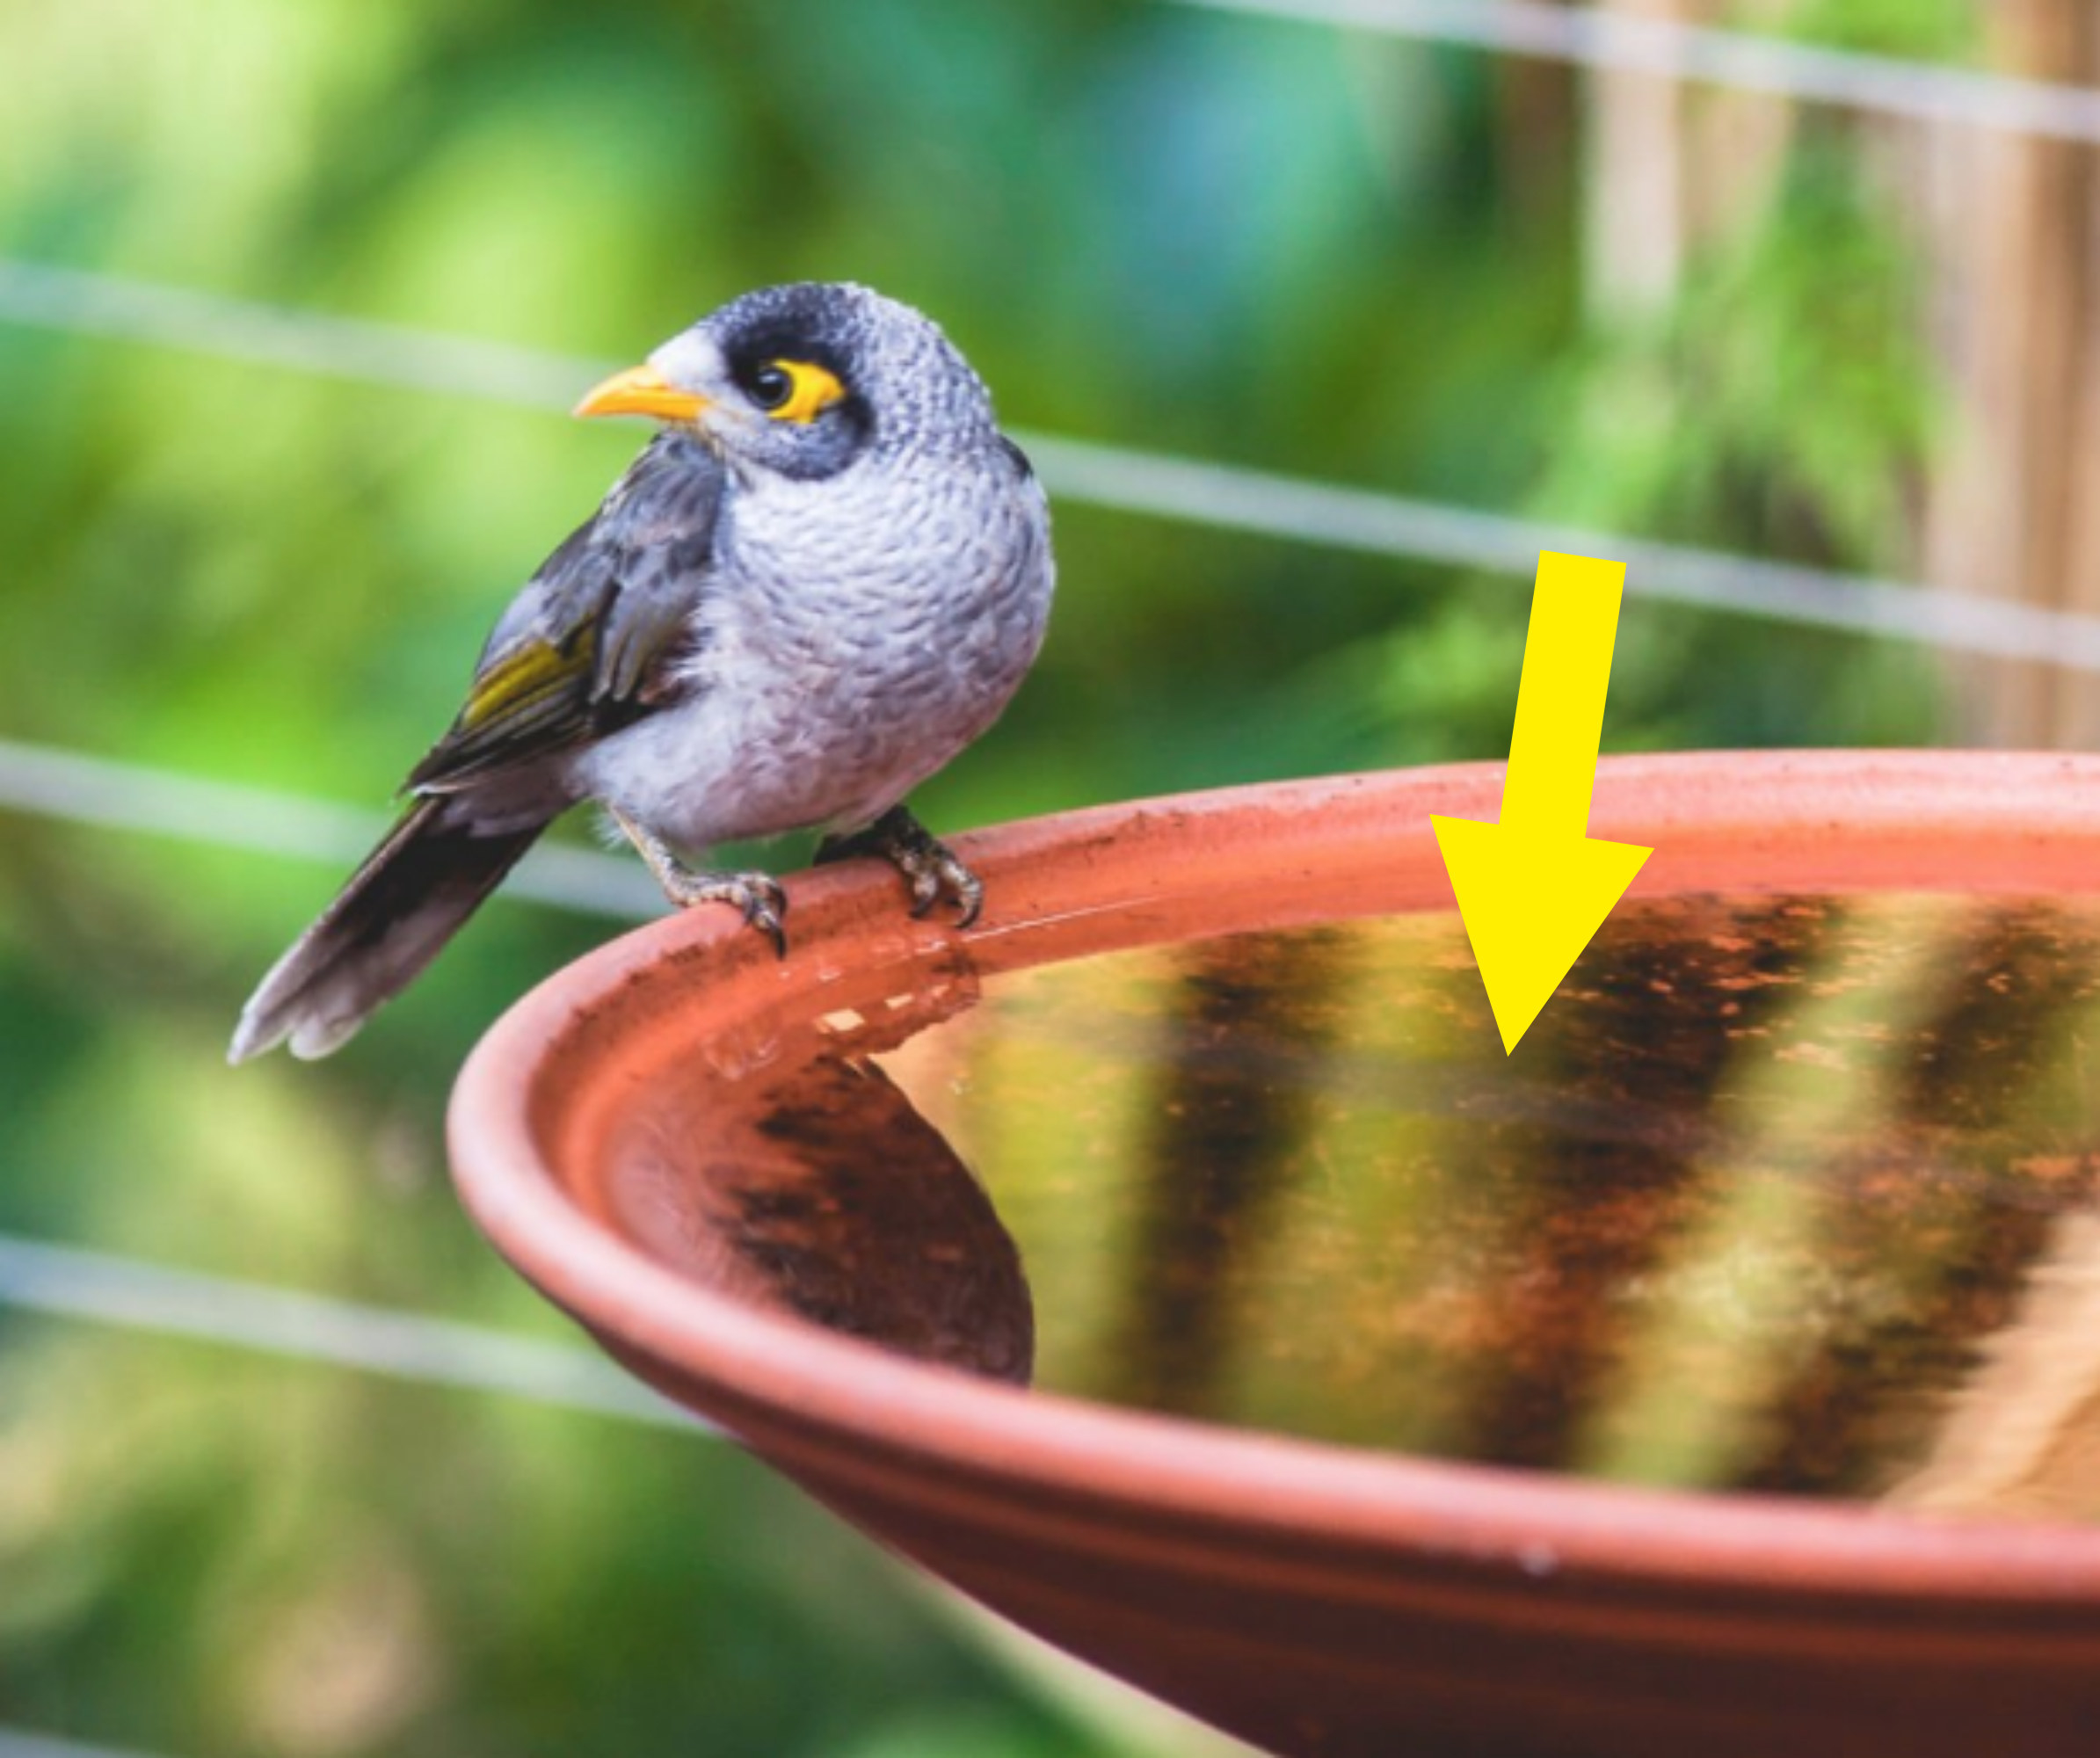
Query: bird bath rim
[1125, 874]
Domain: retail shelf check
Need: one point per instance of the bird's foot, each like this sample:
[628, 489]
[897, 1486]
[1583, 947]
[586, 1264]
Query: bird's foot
[761, 897]
[929, 866]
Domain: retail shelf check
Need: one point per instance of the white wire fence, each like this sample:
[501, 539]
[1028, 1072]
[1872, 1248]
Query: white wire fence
[19, 1743]
[1619, 42]
[107, 1288]
[80, 788]
[1121, 479]
[75, 787]
[71, 786]
[101, 1287]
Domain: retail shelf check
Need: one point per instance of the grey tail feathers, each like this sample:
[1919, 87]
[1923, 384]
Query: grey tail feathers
[409, 897]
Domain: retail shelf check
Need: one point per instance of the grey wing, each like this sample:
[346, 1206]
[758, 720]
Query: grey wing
[593, 642]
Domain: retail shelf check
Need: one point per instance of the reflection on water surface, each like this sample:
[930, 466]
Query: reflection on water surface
[1796, 1194]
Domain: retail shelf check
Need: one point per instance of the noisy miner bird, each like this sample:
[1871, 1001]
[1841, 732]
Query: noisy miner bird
[824, 577]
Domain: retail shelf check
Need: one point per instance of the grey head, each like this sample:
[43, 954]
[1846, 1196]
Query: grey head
[809, 379]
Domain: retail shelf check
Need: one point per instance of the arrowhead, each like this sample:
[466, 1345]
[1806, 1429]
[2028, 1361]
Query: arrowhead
[1531, 901]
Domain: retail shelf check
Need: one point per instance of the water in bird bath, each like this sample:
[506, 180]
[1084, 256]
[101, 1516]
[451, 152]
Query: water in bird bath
[1799, 1194]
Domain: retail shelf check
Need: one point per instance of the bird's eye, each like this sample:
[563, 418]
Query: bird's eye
[771, 386]
[793, 390]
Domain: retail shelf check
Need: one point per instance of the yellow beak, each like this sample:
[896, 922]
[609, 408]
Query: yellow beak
[643, 390]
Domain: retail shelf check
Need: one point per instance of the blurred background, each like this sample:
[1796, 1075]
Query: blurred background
[1318, 335]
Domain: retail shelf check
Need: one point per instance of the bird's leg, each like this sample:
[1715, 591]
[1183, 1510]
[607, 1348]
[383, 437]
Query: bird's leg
[759, 894]
[929, 866]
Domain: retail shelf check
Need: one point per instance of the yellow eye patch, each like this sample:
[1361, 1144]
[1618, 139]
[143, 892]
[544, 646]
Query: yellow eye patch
[804, 390]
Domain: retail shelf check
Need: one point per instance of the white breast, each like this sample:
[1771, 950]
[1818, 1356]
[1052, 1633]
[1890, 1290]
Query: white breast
[860, 631]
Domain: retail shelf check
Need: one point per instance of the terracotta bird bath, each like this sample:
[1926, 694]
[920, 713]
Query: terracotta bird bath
[1175, 1264]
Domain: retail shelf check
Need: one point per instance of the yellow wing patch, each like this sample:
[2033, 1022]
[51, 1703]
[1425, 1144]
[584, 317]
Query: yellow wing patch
[527, 675]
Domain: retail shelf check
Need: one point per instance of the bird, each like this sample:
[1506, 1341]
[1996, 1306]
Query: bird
[824, 576]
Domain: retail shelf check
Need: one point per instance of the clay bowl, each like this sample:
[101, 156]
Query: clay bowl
[721, 1166]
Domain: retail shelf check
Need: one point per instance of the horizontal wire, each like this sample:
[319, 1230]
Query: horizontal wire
[1377, 523]
[322, 344]
[103, 1287]
[1617, 42]
[16, 1742]
[75, 787]
[1155, 484]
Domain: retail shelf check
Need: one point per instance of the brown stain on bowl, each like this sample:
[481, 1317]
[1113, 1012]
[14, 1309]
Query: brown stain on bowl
[1311, 1597]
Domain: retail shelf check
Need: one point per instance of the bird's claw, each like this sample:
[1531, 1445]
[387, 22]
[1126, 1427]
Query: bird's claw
[943, 872]
[930, 867]
[762, 899]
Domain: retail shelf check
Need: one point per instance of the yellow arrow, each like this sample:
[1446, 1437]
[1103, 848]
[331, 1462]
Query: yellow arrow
[1535, 889]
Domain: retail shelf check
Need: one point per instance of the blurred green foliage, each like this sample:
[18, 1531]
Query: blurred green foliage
[1308, 250]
